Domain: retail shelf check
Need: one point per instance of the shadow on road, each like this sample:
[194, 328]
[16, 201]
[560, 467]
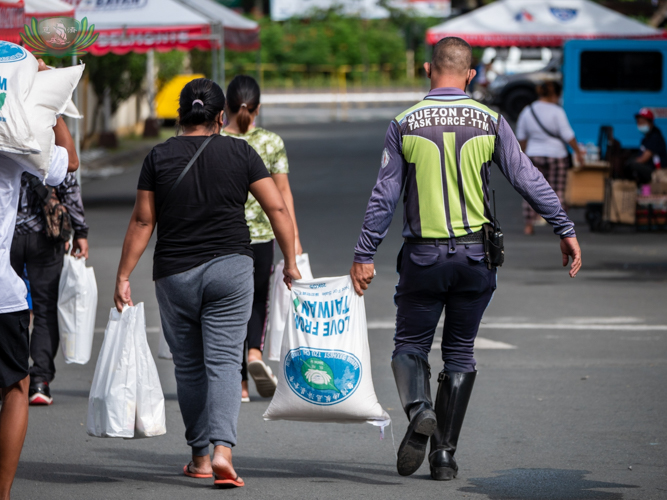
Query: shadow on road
[543, 484]
[160, 468]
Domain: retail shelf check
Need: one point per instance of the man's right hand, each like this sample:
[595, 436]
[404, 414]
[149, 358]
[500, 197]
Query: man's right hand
[41, 65]
[570, 248]
[362, 275]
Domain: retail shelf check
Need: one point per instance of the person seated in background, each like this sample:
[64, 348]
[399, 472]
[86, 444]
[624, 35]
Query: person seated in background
[14, 312]
[653, 152]
[42, 257]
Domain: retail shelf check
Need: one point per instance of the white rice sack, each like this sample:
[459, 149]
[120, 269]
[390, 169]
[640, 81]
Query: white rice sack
[50, 94]
[18, 68]
[325, 373]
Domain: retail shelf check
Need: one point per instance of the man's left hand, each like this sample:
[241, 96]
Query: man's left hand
[80, 248]
[362, 275]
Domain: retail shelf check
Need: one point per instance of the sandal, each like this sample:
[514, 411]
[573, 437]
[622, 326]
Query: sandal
[189, 473]
[229, 483]
[264, 378]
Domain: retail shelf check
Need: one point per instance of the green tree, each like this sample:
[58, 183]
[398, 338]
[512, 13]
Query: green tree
[169, 65]
[123, 75]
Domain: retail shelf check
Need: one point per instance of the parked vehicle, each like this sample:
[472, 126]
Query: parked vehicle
[512, 93]
[607, 81]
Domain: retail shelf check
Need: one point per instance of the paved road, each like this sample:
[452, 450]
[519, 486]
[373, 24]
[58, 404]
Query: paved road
[571, 406]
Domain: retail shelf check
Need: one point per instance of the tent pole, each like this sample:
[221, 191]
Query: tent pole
[214, 60]
[222, 57]
[150, 74]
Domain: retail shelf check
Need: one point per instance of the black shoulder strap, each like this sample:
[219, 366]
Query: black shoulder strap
[551, 134]
[40, 189]
[187, 167]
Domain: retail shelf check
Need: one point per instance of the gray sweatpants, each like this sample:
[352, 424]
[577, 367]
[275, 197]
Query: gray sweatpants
[205, 313]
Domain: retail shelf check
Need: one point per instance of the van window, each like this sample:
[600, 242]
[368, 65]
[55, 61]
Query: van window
[638, 71]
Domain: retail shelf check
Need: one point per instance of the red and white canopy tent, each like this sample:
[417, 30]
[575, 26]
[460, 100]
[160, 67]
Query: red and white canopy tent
[14, 14]
[163, 25]
[540, 23]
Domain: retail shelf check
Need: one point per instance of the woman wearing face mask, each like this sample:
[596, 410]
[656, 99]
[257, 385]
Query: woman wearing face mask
[653, 152]
[203, 266]
[544, 133]
[242, 109]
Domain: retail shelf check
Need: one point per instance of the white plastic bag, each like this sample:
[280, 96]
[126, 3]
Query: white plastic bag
[112, 404]
[18, 68]
[279, 302]
[77, 305]
[163, 351]
[150, 419]
[126, 398]
[325, 373]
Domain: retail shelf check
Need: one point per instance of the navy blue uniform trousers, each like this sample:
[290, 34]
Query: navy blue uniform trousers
[435, 277]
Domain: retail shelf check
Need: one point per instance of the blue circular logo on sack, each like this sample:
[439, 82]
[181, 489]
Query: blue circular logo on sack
[322, 376]
[10, 52]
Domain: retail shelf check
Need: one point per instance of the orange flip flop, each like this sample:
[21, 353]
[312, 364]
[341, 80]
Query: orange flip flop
[229, 483]
[189, 473]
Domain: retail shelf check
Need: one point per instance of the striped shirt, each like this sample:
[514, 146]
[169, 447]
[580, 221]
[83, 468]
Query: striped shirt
[440, 153]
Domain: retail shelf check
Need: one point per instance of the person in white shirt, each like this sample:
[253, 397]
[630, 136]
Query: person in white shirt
[544, 134]
[14, 313]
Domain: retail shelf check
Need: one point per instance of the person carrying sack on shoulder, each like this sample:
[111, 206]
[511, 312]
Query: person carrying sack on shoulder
[14, 312]
[544, 134]
[440, 152]
[194, 188]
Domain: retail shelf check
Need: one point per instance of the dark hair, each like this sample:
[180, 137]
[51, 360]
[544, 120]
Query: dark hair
[549, 89]
[452, 55]
[200, 102]
[243, 99]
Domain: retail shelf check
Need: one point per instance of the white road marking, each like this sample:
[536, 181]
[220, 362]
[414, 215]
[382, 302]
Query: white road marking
[325, 98]
[149, 329]
[600, 324]
[480, 343]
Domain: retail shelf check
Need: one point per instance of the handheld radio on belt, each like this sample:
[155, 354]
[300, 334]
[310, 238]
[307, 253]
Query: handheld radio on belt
[494, 245]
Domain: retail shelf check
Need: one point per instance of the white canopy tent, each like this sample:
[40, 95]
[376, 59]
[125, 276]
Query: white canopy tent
[540, 23]
[41, 9]
[15, 14]
[236, 32]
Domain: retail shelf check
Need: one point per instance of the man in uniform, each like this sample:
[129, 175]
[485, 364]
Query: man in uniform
[440, 152]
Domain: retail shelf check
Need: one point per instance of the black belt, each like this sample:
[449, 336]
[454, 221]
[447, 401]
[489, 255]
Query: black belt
[466, 239]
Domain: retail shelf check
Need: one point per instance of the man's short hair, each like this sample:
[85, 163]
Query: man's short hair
[452, 55]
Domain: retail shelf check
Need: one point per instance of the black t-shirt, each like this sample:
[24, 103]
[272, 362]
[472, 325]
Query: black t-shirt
[204, 218]
[655, 143]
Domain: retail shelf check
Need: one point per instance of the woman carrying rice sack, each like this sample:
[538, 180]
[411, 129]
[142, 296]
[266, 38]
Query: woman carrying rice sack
[203, 265]
[243, 105]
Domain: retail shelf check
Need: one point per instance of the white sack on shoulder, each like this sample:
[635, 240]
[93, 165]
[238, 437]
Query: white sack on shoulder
[325, 373]
[48, 98]
[112, 404]
[77, 305]
[18, 68]
[280, 302]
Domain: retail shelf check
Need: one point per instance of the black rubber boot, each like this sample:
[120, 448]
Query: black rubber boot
[412, 374]
[451, 402]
